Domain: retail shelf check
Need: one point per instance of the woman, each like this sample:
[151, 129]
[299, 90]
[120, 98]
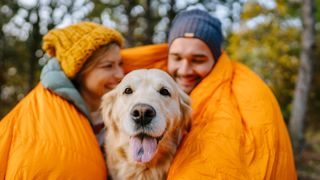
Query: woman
[50, 134]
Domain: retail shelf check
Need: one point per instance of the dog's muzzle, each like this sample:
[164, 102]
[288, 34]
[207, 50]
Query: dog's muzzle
[142, 114]
[143, 146]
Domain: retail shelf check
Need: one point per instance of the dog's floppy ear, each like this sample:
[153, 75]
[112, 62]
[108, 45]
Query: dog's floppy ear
[185, 107]
[106, 106]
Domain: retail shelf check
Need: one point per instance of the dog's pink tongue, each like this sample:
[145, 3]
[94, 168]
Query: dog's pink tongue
[143, 149]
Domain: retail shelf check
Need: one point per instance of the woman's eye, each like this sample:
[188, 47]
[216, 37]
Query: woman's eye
[164, 92]
[107, 66]
[128, 91]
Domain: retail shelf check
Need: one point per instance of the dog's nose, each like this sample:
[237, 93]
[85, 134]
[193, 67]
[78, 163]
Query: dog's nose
[142, 114]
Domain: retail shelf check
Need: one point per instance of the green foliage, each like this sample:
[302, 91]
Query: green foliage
[317, 11]
[21, 33]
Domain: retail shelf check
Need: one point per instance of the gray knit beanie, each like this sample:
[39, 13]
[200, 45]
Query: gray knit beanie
[198, 24]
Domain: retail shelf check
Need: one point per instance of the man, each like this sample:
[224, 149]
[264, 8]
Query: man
[237, 128]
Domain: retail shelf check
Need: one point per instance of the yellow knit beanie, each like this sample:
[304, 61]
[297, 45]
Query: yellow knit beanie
[74, 44]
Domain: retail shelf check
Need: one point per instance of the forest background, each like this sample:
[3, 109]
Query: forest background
[278, 39]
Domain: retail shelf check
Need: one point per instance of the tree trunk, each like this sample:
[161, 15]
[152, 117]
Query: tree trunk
[2, 67]
[171, 14]
[150, 23]
[129, 5]
[301, 94]
[35, 44]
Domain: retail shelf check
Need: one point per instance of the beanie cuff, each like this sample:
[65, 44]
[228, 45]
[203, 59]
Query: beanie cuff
[198, 24]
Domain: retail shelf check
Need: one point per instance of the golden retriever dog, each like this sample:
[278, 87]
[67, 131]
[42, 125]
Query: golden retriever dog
[146, 116]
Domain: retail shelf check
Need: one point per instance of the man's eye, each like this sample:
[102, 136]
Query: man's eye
[198, 61]
[128, 91]
[164, 92]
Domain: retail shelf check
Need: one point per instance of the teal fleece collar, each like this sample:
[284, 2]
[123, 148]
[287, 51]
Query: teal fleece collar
[53, 78]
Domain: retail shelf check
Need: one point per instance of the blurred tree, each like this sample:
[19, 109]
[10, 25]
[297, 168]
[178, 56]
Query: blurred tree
[7, 53]
[34, 41]
[303, 82]
[148, 21]
[138, 20]
[23, 26]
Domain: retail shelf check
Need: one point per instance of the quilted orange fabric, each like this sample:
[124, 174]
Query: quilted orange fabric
[237, 128]
[151, 56]
[40, 140]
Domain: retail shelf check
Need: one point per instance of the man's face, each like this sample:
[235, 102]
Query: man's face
[190, 60]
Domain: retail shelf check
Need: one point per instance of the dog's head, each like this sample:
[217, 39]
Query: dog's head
[144, 109]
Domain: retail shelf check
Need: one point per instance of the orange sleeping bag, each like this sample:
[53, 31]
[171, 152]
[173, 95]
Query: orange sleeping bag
[41, 140]
[237, 127]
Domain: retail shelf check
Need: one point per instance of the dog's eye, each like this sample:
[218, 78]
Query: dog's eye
[164, 92]
[128, 91]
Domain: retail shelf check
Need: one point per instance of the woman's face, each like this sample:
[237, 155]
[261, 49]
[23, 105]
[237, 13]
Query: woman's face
[103, 76]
